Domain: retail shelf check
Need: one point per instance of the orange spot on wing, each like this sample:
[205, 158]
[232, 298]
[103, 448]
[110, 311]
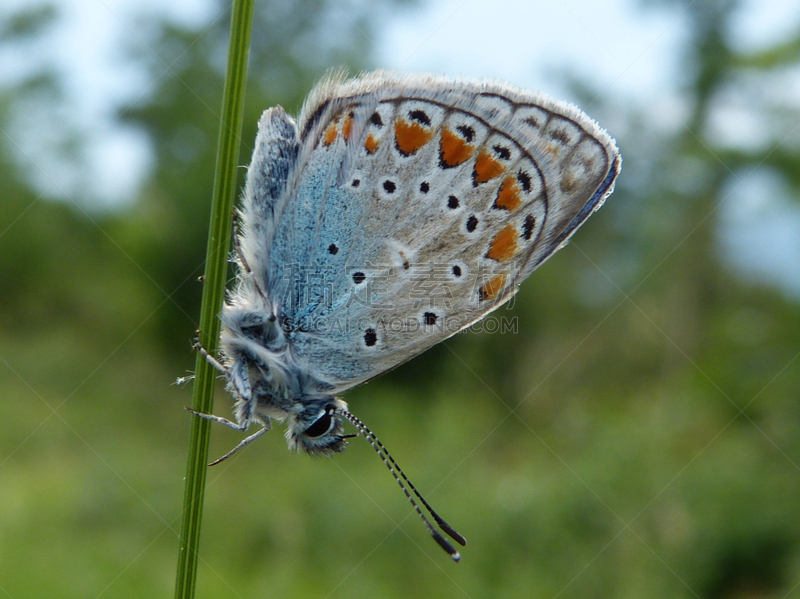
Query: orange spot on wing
[330, 134]
[453, 150]
[347, 126]
[486, 167]
[371, 144]
[492, 288]
[410, 137]
[508, 195]
[504, 244]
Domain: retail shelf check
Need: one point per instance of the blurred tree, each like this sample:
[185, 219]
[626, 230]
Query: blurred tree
[704, 360]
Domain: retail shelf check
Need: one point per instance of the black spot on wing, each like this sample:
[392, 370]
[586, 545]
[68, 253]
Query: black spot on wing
[467, 132]
[420, 116]
[527, 227]
[502, 152]
[524, 180]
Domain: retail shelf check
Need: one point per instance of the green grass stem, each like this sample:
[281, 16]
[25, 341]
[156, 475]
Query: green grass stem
[224, 193]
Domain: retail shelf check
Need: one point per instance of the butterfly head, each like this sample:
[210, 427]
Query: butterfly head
[318, 429]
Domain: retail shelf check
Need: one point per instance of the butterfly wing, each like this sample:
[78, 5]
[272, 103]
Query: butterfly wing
[415, 206]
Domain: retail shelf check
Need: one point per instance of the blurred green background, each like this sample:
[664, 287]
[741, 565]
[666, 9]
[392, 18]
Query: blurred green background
[638, 436]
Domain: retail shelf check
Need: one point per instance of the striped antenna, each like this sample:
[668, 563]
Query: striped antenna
[406, 484]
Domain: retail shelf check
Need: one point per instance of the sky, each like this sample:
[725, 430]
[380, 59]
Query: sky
[625, 52]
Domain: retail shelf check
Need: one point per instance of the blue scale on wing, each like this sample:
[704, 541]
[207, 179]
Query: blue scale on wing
[312, 243]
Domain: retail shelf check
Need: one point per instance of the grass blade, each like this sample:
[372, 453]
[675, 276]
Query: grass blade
[223, 197]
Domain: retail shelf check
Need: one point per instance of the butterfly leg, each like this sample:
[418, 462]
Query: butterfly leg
[266, 425]
[219, 419]
[243, 388]
[245, 417]
[243, 443]
[209, 358]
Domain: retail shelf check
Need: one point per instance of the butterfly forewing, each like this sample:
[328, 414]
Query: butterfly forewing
[418, 205]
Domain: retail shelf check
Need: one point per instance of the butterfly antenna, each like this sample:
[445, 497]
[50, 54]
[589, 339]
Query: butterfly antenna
[405, 485]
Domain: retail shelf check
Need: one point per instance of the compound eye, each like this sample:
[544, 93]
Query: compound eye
[321, 425]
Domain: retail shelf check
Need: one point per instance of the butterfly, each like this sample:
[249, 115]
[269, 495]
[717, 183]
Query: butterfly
[397, 210]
